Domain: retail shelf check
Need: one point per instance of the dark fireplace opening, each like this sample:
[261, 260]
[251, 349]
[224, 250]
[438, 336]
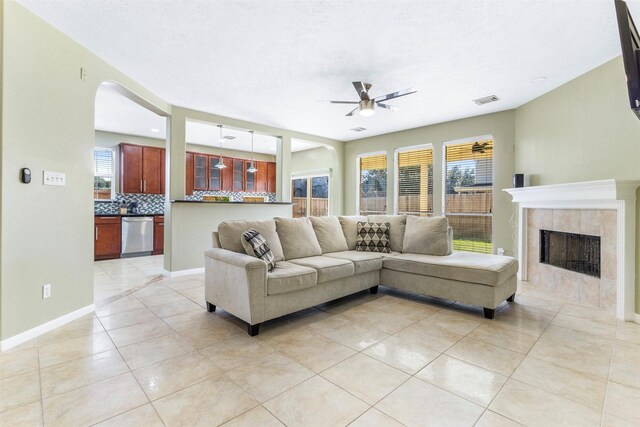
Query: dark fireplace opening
[575, 252]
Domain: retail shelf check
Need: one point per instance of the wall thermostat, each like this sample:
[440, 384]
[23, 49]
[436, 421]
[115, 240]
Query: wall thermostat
[25, 175]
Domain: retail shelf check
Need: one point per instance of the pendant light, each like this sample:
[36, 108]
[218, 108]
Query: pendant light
[252, 167]
[220, 164]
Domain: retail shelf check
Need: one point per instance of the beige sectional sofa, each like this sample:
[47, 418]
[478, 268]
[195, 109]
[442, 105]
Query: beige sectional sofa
[316, 262]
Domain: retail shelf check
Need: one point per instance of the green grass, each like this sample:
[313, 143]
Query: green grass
[476, 245]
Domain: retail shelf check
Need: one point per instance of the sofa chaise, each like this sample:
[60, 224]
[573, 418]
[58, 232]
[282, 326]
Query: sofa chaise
[317, 261]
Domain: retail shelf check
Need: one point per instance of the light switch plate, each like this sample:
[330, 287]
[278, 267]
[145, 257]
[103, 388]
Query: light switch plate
[54, 178]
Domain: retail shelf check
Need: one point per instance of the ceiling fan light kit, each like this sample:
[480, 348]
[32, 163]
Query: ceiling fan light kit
[367, 106]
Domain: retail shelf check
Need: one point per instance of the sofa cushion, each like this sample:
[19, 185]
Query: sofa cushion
[230, 235]
[288, 277]
[255, 245]
[297, 237]
[328, 268]
[373, 237]
[329, 233]
[362, 261]
[349, 226]
[426, 236]
[470, 267]
[396, 231]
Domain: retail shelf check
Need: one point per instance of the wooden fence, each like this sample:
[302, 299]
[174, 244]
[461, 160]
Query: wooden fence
[455, 203]
[319, 207]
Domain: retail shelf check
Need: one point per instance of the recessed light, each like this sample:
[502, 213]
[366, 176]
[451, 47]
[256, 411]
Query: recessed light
[538, 79]
[154, 130]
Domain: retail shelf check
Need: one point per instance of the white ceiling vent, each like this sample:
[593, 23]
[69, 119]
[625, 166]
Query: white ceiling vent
[486, 99]
[358, 129]
[229, 137]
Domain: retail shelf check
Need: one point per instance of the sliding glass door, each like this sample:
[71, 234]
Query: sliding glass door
[310, 196]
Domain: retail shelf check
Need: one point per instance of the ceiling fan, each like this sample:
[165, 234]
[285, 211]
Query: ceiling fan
[480, 148]
[367, 105]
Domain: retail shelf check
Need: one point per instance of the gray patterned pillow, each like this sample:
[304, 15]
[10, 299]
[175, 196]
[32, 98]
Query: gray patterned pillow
[255, 245]
[373, 237]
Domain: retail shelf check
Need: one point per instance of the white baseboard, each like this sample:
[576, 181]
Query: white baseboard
[44, 328]
[183, 272]
[636, 318]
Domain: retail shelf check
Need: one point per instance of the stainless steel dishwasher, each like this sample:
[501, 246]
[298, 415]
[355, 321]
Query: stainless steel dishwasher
[137, 235]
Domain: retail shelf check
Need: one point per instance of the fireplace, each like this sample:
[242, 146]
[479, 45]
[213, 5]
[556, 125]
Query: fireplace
[571, 251]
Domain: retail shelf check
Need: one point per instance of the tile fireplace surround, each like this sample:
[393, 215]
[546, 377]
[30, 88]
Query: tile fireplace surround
[604, 208]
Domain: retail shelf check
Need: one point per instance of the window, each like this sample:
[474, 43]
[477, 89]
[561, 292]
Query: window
[310, 196]
[103, 171]
[468, 194]
[414, 181]
[372, 171]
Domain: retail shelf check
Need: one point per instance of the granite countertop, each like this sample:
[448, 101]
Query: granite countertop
[230, 203]
[129, 214]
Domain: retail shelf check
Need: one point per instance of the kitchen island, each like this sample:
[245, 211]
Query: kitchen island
[189, 226]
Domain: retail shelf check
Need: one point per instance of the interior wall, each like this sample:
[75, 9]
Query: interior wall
[47, 124]
[499, 125]
[582, 131]
[315, 159]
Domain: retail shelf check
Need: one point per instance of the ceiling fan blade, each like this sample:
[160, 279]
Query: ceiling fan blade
[352, 112]
[397, 94]
[341, 102]
[362, 89]
[387, 106]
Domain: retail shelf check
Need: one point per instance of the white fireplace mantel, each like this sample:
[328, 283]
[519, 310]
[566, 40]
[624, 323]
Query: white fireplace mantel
[604, 194]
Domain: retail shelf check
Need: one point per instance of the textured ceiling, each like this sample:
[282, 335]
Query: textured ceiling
[271, 61]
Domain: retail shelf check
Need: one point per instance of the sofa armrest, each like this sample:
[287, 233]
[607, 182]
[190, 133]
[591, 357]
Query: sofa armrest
[237, 283]
[450, 240]
[216, 240]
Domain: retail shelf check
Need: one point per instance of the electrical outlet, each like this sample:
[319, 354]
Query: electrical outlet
[500, 251]
[46, 290]
[54, 178]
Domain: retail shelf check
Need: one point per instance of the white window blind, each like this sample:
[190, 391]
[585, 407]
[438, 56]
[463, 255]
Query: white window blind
[415, 182]
[373, 184]
[103, 173]
[468, 189]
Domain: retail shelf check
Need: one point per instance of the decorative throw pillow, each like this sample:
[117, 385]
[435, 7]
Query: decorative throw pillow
[256, 246]
[373, 237]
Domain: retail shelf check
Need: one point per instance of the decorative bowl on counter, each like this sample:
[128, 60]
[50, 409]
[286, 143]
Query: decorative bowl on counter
[209, 198]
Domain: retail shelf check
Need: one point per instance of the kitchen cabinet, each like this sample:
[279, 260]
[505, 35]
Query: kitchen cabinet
[249, 178]
[261, 177]
[189, 174]
[238, 175]
[141, 169]
[215, 174]
[158, 234]
[271, 177]
[227, 174]
[163, 166]
[200, 177]
[107, 237]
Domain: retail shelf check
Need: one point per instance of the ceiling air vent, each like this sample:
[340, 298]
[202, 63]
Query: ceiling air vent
[486, 100]
[358, 129]
[229, 137]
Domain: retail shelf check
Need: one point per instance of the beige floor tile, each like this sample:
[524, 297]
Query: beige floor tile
[316, 402]
[174, 308]
[80, 372]
[380, 379]
[628, 331]
[173, 374]
[19, 390]
[142, 416]
[354, 336]
[194, 320]
[575, 350]
[471, 382]
[258, 416]
[458, 322]
[623, 402]
[491, 419]
[140, 332]
[194, 294]
[18, 362]
[625, 366]
[597, 327]
[64, 351]
[147, 353]
[389, 318]
[503, 337]
[86, 325]
[436, 338]
[486, 356]
[238, 351]
[534, 407]
[373, 417]
[586, 389]
[269, 376]
[119, 306]
[609, 420]
[408, 355]
[313, 351]
[127, 318]
[417, 403]
[163, 299]
[94, 403]
[27, 415]
[524, 319]
[211, 334]
[533, 301]
[208, 403]
[587, 312]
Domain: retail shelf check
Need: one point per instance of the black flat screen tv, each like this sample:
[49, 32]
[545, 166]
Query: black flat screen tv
[630, 41]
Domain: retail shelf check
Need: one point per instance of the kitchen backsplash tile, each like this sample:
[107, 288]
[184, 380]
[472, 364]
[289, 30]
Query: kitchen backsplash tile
[235, 196]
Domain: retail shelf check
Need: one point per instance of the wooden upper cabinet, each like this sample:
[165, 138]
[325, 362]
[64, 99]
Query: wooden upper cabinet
[215, 174]
[249, 178]
[238, 175]
[151, 165]
[261, 177]
[201, 163]
[130, 168]
[271, 177]
[227, 174]
[189, 174]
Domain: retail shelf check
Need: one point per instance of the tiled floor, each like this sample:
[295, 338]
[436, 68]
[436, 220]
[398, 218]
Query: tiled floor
[152, 355]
